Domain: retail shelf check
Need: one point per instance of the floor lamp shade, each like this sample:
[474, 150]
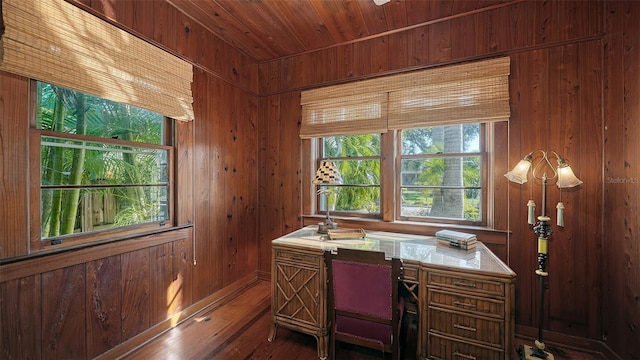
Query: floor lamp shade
[566, 177]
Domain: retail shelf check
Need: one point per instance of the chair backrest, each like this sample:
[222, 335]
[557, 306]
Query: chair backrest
[362, 284]
[363, 298]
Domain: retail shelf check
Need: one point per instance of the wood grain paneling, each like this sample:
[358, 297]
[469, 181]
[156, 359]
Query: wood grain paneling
[161, 293]
[14, 124]
[103, 304]
[63, 313]
[620, 240]
[182, 276]
[21, 318]
[136, 302]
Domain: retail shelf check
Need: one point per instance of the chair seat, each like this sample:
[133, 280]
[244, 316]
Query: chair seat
[348, 326]
[363, 329]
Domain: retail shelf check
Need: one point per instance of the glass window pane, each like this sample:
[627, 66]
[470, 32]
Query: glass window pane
[351, 146]
[442, 171]
[68, 211]
[357, 158]
[441, 139]
[101, 163]
[360, 199]
[73, 112]
[437, 183]
[98, 184]
[461, 204]
[359, 172]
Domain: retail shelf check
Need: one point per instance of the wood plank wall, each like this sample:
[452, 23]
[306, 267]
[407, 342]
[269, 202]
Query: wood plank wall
[101, 300]
[573, 88]
[621, 182]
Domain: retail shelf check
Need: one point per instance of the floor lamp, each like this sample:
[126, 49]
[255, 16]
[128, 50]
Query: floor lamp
[565, 178]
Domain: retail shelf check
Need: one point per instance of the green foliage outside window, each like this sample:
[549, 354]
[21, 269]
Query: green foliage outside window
[103, 164]
[440, 174]
[358, 160]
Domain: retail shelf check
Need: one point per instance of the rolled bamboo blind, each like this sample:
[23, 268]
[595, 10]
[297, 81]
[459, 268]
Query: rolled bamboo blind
[470, 92]
[56, 42]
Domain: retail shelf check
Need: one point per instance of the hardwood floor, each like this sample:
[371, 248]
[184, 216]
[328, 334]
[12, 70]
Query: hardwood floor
[238, 330]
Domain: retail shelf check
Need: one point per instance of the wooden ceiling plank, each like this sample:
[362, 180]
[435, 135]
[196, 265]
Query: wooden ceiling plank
[418, 11]
[216, 19]
[343, 19]
[374, 17]
[304, 22]
[396, 14]
[260, 19]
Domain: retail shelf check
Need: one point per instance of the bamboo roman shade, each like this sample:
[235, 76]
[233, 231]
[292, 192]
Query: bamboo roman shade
[456, 94]
[56, 42]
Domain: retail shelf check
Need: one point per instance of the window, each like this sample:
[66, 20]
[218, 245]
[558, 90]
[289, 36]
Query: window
[435, 153]
[358, 159]
[105, 167]
[441, 172]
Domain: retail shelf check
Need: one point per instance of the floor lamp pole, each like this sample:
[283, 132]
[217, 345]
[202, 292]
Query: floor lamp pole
[543, 230]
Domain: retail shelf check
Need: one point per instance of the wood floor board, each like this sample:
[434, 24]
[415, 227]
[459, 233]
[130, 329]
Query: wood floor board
[238, 330]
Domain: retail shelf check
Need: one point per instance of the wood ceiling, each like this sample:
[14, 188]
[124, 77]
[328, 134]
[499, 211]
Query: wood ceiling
[271, 29]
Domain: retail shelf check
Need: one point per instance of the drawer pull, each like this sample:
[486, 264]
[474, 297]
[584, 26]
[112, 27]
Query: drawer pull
[462, 327]
[464, 356]
[463, 304]
[465, 284]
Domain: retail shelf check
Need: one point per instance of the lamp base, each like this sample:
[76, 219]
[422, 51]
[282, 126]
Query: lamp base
[533, 353]
[328, 224]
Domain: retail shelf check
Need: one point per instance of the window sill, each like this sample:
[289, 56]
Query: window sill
[116, 239]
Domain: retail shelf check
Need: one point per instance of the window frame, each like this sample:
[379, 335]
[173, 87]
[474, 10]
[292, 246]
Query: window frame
[319, 150]
[36, 242]
[483, 181]
[390, 163]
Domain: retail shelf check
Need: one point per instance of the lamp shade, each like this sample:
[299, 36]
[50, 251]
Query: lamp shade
[566, 177]
[327, 174]
[519, 172]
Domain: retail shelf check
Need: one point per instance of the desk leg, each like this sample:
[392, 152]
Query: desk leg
[323, 344]
[272, 332]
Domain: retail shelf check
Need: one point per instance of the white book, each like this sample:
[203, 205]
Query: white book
[455, 236]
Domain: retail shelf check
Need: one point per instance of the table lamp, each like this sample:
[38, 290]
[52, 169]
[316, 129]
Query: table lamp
[327, 174]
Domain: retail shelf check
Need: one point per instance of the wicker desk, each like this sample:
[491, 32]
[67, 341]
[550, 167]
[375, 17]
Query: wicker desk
[465, 298]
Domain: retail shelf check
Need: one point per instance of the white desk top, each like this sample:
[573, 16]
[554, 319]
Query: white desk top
[408, 247]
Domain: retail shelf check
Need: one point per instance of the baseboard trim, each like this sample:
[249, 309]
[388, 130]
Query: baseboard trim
[264, 275]
[210, 302]
[575, 342]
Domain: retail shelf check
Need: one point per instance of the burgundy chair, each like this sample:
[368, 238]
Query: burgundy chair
[364, 308]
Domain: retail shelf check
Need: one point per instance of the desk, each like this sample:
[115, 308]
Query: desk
[465, 298]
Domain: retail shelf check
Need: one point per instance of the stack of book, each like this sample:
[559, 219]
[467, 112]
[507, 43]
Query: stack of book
[456, 239]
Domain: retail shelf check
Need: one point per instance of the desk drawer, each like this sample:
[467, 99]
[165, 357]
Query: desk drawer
[298, 258]
[447, 349]
[487, 331]
[465, 283]
[410, 273]
[467, 303]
